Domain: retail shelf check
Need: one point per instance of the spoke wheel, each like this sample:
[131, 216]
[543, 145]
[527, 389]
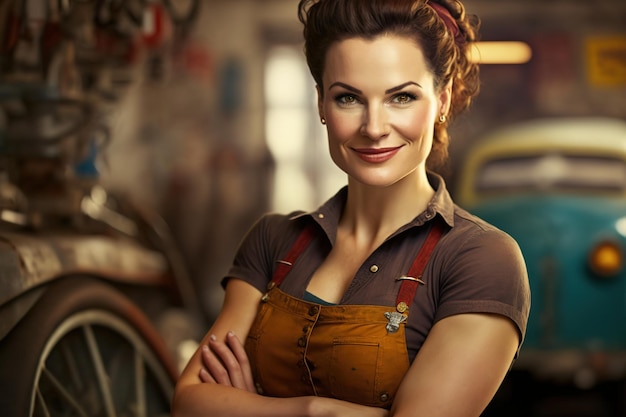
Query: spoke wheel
[85, 350]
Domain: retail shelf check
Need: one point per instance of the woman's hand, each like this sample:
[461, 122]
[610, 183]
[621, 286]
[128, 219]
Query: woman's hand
[226, 363]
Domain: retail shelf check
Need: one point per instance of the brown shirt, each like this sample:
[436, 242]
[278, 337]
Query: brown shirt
[475, 268]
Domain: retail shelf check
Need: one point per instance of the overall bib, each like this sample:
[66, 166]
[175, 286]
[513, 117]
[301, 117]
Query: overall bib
[355, 353]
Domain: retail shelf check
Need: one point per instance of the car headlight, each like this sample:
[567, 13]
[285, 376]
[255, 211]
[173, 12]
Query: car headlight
[606, 258]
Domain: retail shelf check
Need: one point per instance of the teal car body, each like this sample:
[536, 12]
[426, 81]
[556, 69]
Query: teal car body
[558, 187]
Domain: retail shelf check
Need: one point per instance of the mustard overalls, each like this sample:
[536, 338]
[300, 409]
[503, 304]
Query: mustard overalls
[355, 353]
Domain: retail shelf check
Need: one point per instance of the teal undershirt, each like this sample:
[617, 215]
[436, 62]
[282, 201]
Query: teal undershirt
[315, 299]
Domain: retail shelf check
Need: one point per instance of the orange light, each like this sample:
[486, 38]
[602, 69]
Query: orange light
[606, 259]
[501, 52]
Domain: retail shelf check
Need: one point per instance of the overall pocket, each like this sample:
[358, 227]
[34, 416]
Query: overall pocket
[353, 369]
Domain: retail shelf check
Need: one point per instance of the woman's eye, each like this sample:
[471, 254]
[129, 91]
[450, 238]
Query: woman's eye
[404, 98]
[346, 99]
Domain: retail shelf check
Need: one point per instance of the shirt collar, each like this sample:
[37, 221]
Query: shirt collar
[327, 215]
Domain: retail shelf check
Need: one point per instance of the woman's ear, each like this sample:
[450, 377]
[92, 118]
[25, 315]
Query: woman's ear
[445, 97]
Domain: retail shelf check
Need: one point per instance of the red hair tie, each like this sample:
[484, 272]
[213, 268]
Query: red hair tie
[449, 21]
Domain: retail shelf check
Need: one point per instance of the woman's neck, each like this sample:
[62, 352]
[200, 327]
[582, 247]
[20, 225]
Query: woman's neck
[372, 214]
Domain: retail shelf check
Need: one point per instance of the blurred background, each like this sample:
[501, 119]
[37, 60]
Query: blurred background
[224, 127]
[214, 122]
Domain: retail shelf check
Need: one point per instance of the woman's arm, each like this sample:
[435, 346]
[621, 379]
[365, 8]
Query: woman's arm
[231, 394]
[459, 368]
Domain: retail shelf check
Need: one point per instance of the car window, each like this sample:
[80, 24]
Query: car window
[553, 172]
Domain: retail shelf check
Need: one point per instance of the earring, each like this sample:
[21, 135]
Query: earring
[323, 121]
[442, 119]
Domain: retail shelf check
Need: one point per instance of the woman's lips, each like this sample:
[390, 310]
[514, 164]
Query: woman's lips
[376, 155]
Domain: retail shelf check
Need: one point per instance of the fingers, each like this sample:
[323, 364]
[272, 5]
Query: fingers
[242, 357]
[226, 363]
[205, 376]
[213, 370]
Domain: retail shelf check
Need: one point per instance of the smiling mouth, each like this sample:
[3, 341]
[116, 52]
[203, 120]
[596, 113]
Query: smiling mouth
[376, 155]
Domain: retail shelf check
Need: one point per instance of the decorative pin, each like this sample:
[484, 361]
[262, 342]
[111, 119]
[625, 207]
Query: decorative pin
[407, 278]
[395, 319]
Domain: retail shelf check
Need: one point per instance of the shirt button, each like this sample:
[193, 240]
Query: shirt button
[384, 397]
[313, 310]
[304, 379]
[259, 388]
[320, 215]
[429, 214]
[305, 329]
[302, 342]
[301, 363]
[374, 268]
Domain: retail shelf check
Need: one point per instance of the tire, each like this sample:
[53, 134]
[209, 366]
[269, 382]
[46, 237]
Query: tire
[85, 350]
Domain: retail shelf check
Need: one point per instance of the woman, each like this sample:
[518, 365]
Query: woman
[388, 300]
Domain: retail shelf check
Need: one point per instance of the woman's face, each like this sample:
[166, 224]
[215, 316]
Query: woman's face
[380, 106]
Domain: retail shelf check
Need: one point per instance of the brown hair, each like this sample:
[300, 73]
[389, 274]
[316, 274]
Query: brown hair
[329, 21]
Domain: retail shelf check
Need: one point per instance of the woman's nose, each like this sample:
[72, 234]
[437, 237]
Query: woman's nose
[375, 124]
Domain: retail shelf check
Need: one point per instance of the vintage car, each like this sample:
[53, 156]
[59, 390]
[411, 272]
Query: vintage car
[558, 186]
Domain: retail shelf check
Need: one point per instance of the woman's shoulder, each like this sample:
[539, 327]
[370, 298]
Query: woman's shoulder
[266, 240]
[469, 227]
[476, 245]
[273, 222]
[482, 270]
[275, 230]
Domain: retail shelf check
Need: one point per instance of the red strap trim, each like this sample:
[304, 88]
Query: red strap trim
[408, 287]
[284, 265]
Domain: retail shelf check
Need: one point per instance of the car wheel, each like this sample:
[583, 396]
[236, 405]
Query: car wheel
[85, 350]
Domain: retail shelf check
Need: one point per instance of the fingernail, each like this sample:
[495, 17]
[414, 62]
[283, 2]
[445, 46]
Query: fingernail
[213, 338]
[230, 333]
[205, 348]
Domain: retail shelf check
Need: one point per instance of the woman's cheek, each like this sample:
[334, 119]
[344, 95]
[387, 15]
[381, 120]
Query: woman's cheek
[413, 125]
[341, 129]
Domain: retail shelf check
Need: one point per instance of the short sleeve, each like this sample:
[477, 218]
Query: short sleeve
[486, 275]
[253, 262]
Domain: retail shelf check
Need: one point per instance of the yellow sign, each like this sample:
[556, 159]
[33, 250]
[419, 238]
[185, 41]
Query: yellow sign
[606, 61]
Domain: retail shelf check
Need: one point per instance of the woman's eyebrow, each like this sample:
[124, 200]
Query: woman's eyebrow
[401, 86]
[346, 86]
[357, 91]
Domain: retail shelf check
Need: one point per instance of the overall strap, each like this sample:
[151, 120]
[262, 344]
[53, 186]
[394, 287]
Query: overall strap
[284, 265]
[414, 276]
